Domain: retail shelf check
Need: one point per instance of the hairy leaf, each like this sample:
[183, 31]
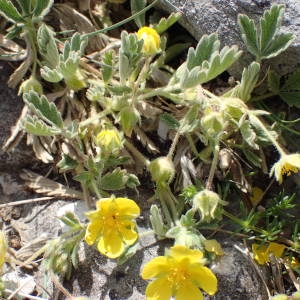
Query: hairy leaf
[169, 120]
[116, 180]
[248, 82]
[249, 34]
[51, 75]
[291, 98]
[269, 26]
[207, 45]
[136, 6]
[42, 7]
[43, 108]
[164, 23]
[37, 127]
[47, 45]
[107, 65]
[9, 11]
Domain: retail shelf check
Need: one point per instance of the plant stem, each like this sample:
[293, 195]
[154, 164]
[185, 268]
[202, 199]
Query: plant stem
[174, 144]
[262, 97]
[213, 167]
[267, 133]
[94, 118]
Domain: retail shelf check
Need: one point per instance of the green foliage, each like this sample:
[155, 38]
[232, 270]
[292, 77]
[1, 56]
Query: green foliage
[136, 6]
[265, 42]
[165, 23]
[44, 109]
[205, 63]
[47, 46]
[10, 12]
[37, 127]
[248, 82]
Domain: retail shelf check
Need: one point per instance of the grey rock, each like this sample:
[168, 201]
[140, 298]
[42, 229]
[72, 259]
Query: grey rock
[207, 16]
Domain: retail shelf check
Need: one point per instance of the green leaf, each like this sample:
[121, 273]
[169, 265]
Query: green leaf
[37, 127]
[132, 181]
[136, 6]
[42, 7]
[9, 11]
[273, 82]
[70, 220]
[43, 108]
[279, 44]
[164, 23]
[51, 75]
[190, 121]
[249, 34]
[248, 134]
[170, 121]
[84, 177]
[47, 46]
[66, 163]
[115, 180]
[292, 82]
[268, 43]
[25, 5]
[290, 91]
[175, 50]
[107, 65]
[269, 26]
[291, 98]
[253, 158]
[248, 82]
[207, 45]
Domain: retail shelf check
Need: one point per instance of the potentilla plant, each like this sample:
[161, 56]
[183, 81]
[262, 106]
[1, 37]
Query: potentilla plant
[99, 109]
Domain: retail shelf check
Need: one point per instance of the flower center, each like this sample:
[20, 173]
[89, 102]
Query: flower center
[289, 169]
[178, 276]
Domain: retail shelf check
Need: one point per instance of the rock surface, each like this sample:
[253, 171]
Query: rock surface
[207, 16]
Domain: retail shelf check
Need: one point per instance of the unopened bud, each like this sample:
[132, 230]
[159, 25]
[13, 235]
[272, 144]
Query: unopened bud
[30, 84]
[109, 140]
[207, 202]
[234, 107]
[162, 169]
[151, 40]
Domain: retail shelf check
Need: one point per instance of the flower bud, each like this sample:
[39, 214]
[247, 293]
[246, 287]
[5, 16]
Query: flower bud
[30, 84]
[151, 40]
[162, 169]
[213, 123]
[76, 81]
[129, 117]
[234, 107]
[207, 202]
[109, 140]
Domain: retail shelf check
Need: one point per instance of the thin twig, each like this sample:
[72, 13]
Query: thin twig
[21, 202]
[25, 296]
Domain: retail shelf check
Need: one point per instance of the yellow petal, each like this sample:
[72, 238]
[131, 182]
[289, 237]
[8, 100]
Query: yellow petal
[93, 231]
[213, 246]
[111, 245]
[260, 253]
[127, 207]
[156, 267]
[159, 289]
[293, 159]
[188, 291]
[204, 278]
[129, 235]
[181, 252]
[276, 249]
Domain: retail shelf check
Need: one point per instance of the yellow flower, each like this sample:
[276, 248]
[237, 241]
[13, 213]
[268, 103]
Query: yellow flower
[262, 252]
[109, 140]
[112, 225]
[151, 40]
[3, 248]
[179, 274]
[213, 246]
[288, 164]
